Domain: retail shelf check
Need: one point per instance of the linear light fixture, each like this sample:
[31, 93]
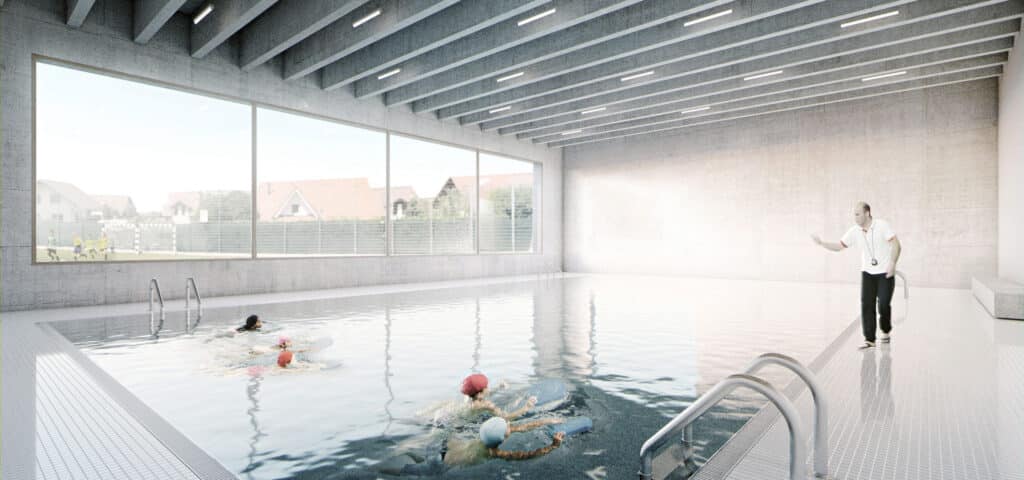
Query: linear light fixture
[571, 132]
[885, 75]
[365, 19]
[388, 74]
[870, 19]
[510, 77]
[639, 75]
[593, 110]
[202, 13]
[693, 110]
[709, 17]
[762, 75]
[535, 17]
[501, 109]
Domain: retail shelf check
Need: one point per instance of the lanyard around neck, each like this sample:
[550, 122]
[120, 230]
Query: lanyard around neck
[870, 246]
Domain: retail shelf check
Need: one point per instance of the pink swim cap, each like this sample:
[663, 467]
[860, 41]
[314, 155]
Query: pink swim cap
[283, 340]
[284, 359]
[474, 384]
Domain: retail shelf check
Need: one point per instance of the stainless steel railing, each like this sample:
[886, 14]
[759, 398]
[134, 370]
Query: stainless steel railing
[154, 288]
[710, 399]
[190, 289]
[820, 404]
[797, 468]
[906, 288]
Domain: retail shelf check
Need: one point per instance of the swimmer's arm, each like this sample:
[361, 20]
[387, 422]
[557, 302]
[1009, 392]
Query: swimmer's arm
[524, 455]
[489, 406]
[530, 402]
[523, 427]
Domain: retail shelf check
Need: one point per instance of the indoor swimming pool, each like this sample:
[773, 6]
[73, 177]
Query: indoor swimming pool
[363, 399]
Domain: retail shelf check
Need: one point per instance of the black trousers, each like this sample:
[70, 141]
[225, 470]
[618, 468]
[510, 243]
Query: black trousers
[876, 288]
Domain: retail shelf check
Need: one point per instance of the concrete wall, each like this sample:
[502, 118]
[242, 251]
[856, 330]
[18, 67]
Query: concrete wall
[37, 27]
[740, 199]
[1011, 169]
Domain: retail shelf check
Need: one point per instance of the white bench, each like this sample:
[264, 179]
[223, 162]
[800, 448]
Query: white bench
[1002, 298]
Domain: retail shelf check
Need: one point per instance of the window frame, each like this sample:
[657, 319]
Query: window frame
[254, 106]
[538, 210]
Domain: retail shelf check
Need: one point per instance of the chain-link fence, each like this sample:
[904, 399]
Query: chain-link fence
[338, 237]
[411, 236]
[499, 234]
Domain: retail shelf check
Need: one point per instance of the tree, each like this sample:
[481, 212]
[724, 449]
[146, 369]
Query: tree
[451, 203]
[500, 200]
[226, 206]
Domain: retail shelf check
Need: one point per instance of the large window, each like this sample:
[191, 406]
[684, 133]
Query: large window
[507, 189]
[321, 187]
[130, 171]
[433, 197]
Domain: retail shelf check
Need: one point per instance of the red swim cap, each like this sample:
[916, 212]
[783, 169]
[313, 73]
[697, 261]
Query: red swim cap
[284, 359]
[474, 384]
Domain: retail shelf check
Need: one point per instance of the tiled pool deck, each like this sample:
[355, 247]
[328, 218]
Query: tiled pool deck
[945, 400]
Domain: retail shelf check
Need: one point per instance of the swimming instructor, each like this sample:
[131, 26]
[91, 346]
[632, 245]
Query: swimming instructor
[879, 251]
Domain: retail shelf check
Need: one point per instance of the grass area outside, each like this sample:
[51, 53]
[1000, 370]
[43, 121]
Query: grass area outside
[67, 256]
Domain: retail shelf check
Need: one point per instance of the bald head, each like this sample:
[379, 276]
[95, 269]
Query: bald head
[862, 213]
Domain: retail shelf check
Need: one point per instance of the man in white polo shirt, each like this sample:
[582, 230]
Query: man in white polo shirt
[879, 251]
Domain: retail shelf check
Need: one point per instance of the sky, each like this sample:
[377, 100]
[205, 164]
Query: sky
[144, 141]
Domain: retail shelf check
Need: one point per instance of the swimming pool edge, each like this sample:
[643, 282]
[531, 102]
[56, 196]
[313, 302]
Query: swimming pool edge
[725, 459]
[191, 455]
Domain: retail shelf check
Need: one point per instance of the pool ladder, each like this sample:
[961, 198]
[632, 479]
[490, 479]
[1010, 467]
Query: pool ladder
[190, 288]
[154, 289]
[797, 448]
[155, 297]
[906, 288]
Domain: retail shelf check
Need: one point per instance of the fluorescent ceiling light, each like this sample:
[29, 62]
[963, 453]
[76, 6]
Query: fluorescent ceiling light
[886, 75]
[502, 109]
[570, 132]
[692, 110]
[762, 75]
[202, 13]
[709, 17]
[593, 110]
[388, 74]
[536, 17]
[870, 19]
[510, 77]
[639, 75]
[366, 19]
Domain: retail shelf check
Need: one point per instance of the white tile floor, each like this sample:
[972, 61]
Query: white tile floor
[79, 431]
[944, 401]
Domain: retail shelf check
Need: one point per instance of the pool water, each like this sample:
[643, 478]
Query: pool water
[634, 351]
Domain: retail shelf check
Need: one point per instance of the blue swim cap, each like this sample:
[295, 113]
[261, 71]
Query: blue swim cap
[492, 432]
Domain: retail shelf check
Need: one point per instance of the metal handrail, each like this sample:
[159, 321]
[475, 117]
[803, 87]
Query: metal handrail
[188, 291]
[820, 405]
[154, 286]
[190, 288]
[906, 288]
[711, 398]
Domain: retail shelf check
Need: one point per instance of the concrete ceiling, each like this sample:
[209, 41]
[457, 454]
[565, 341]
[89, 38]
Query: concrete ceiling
[568, 72]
